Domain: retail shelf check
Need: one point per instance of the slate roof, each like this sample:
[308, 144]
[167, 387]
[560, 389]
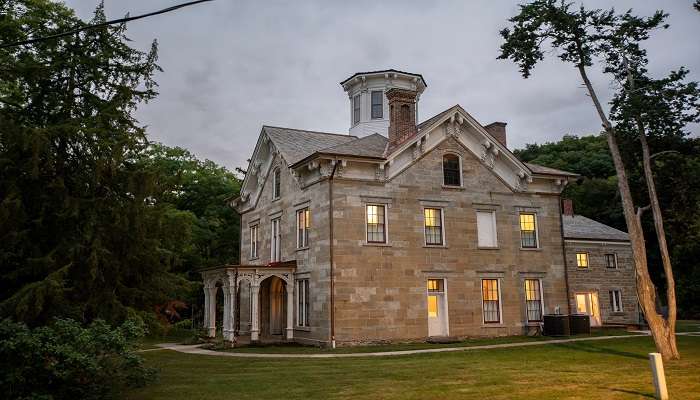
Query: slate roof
[580, 227]
[369, 146]
[296, 144]
[539, 169]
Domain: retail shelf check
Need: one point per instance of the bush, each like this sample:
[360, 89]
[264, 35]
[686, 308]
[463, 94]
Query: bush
[68, 361]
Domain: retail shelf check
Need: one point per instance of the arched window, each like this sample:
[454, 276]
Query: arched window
[451, 171]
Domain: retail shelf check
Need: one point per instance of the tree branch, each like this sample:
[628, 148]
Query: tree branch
[661, 153]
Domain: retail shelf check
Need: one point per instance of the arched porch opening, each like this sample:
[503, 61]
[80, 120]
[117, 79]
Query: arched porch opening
[273, 308]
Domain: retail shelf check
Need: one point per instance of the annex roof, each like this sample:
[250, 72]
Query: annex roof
[296, 144]
[580, 227]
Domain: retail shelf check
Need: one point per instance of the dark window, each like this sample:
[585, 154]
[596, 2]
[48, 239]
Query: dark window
[377, 104]
[254, 241]
[433, 226]
[533, 300]
[356, 109]
[303, 302]
[528, 231]
[610, 261]
[276, 184]
[452, 175]
[489, 293]
[616, 300]
[375, 224]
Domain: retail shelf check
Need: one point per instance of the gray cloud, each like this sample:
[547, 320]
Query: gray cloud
[231, 66]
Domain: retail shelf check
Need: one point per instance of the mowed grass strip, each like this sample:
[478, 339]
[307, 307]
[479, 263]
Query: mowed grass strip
[608, 369]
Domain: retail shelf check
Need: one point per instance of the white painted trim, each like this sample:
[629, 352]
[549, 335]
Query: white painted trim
[442, 227]
[500, 302]
[495, 227]
[386, 224]
[537, 231]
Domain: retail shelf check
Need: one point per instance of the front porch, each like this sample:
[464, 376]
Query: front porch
[269, 309]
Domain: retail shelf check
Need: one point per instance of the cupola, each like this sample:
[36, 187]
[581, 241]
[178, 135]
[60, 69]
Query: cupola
[369, 106]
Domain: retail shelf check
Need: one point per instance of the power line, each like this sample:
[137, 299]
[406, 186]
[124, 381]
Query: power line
[114, 21]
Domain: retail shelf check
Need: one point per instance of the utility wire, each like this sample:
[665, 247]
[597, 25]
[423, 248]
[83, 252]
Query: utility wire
[114, 21]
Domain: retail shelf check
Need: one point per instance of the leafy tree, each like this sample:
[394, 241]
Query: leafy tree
[66, 361]
[581, 37]
[79, 234]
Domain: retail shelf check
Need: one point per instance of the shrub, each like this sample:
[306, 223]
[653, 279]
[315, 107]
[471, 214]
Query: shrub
[68, 361]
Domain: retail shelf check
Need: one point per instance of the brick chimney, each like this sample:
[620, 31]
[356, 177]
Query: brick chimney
[568, 207]
[498, 131]
[402, 115]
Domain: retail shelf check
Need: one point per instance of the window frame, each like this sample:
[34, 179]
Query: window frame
[535, 231]
[587, 258]
[495, 229]
[614, 258]
[276, 240]
[254, 241]
[303, 302]
[499, 307]
[276, 183]
[442, 228]
[385, 224]
[437, 293]
[459, 172]
[616, 301]
[373, 104]
[356, 109]
[540, 301]
[302, 232]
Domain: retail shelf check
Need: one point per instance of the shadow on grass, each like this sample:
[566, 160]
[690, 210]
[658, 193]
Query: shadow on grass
[595, 348]
[638, 393]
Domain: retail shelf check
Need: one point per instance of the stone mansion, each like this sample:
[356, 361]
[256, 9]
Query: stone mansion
[400, 230]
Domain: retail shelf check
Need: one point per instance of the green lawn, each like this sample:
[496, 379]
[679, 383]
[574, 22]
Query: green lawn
[608, 369]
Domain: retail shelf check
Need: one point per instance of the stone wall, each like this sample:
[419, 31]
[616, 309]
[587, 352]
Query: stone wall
[312, 262]
[598, 278]
[381, 289]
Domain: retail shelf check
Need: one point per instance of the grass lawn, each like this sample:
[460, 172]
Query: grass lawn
[608, 369]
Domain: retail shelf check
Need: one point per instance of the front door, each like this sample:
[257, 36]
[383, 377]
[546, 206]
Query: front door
[587, 303]
[277, 304]
[437, 308]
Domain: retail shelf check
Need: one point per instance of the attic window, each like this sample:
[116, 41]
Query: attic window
[451, 171]
[276, 184]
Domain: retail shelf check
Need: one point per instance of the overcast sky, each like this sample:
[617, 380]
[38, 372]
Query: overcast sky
[231, 66]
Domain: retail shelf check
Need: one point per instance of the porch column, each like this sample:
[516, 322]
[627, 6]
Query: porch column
[290, 310]
[211, 311]
[205, 323]
[227, 312]
[254, 312]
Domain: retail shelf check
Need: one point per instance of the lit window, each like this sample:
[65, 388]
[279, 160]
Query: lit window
[303, 225]
[611, 260]
[377, 104]
[433, 226]
[451, 173]
[376, 221]
[356, 109]
[533, 300]
[303, 302]
[528, 231]
[616, 300]
[435, 287]
[486, 228]
[276, 184]
[275, 241]
[582, 260]
[491, 301]
[254, 241]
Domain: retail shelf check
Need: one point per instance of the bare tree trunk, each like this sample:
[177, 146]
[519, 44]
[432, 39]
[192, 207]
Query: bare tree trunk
[664, 339]
[670, 323]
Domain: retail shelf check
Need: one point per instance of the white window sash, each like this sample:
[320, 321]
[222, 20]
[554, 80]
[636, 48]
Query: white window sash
[487, 234]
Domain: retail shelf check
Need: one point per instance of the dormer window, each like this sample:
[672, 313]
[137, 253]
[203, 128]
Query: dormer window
[276, 184]
[451, 171]
[377, 104]
[356, 109]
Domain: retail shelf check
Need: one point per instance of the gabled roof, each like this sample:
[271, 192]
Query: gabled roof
[539, 169]
[383, 71]
[296, 144]
[580, 227]
[435, 117]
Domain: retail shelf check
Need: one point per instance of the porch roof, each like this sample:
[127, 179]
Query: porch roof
[275, 265]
